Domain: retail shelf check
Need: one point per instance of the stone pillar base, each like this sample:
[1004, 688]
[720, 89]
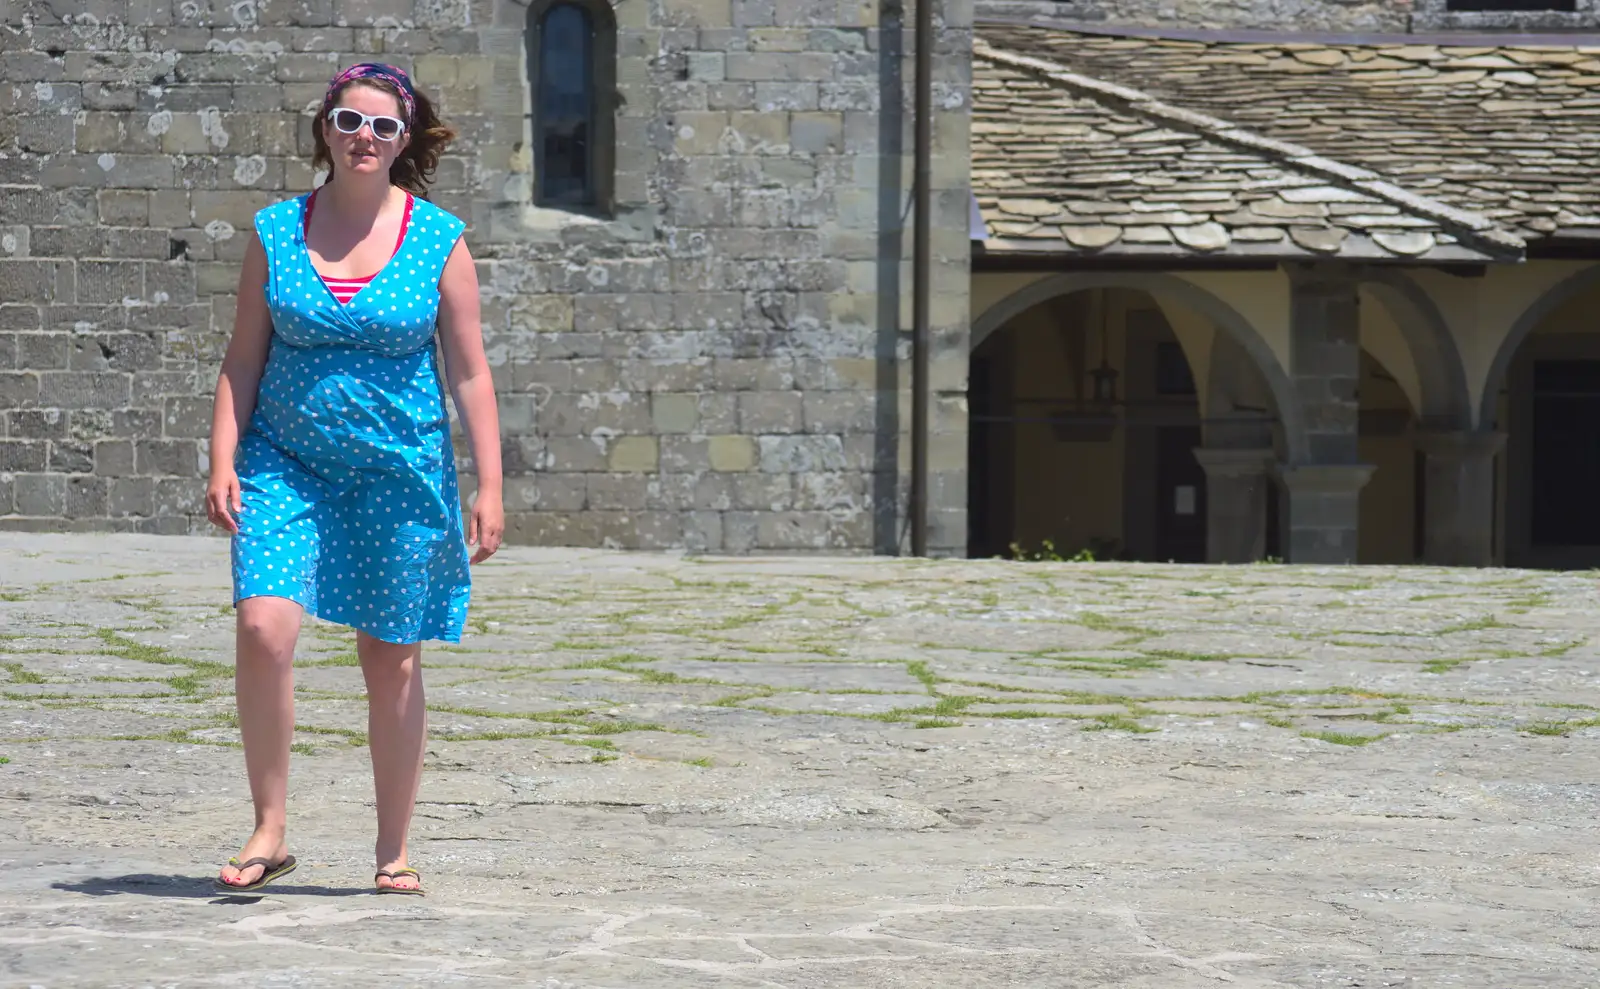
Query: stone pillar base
[1324, 510]
[1458, 497]
[1238, 484]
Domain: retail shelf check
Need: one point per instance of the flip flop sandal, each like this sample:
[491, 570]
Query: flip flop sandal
[269, 872]
[390, 875]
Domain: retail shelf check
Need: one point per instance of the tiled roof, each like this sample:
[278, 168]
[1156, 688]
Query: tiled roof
[1147, 145]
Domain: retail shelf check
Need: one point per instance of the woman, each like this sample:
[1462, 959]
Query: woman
[331, 461]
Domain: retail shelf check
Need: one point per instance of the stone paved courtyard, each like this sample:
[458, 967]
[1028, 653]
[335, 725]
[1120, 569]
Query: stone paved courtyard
[650, 771]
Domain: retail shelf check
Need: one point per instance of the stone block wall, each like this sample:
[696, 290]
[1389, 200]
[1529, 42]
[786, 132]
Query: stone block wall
[716, 365]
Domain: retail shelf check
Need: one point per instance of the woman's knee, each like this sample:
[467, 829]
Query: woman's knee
[268, 627]
[388, 663]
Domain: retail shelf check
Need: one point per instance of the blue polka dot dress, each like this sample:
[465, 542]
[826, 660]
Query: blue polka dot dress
[347, 474]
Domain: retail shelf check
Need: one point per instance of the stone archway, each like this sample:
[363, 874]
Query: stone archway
[1167, 290]
[1445, 399]
[1542, 399]
[1552, 300]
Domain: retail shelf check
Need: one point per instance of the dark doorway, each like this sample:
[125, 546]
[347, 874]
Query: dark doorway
[991, 450]
[1419, 505]
[980, 459]
[1180, 496]
[1566, 453]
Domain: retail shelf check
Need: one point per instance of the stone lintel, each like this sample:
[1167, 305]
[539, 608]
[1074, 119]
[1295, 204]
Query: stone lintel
[1323, 274]
[1460, 444]
[1332, 479]
[1224, 462]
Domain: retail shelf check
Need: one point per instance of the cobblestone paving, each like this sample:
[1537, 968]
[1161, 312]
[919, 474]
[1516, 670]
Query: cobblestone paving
[648, 771]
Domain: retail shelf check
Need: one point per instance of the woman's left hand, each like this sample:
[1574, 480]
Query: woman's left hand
[486, 526]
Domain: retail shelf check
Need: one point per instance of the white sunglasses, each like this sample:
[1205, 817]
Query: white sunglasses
[348, 121]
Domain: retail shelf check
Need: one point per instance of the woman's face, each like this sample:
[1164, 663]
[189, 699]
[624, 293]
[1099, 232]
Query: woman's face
[364, 151]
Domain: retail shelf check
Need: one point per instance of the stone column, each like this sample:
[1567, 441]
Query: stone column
[1238, 484]
[1324, 506]
[1458, 497]
[1325, 358]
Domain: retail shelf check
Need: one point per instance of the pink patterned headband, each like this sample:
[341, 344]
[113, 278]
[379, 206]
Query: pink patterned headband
[374, 70]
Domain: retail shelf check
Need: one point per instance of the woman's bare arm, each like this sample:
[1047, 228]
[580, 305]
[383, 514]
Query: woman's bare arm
[237, 385]
[472, 387]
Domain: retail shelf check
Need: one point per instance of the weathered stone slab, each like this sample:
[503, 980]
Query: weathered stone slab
[666, 840]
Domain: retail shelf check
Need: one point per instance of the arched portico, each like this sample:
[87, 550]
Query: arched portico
[1444, 401]
[1155, 448]
[1573, 286]
[1264, 378]
[1168, 290]
[1542, 398]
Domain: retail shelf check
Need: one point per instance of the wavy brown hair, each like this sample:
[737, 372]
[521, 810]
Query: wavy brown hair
[413, 169]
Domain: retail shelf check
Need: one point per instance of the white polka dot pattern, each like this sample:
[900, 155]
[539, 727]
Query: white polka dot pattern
[351, 505]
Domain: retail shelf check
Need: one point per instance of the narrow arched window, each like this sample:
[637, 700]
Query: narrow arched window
[571, 51]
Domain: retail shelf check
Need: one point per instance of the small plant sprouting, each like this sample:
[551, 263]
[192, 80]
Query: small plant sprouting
[1047, 553]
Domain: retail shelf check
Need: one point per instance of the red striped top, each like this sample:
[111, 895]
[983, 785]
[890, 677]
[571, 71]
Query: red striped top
[345, 289]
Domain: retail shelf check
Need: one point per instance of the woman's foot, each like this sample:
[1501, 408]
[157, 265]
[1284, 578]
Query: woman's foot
[397, 877]
[269, 846]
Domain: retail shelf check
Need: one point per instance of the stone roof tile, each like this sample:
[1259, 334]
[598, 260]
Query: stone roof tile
[1482, 140]
[1108, 169]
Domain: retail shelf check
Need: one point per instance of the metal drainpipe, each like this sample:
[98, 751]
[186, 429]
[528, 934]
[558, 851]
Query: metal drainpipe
[920, 274]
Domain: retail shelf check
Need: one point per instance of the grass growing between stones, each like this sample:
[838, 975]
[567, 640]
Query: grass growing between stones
[1117, 722]
[123, 647]
[1483, 624]
[346, 658]
[920, 671]
[602, 744]
[1560, 728]
[1020, 715]
[1179, 656]
[572, 721]
[355, 738]
[20, 675]
[183, 736]
[1342, 738]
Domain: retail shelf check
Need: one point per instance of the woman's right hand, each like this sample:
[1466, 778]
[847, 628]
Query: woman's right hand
[223, 502]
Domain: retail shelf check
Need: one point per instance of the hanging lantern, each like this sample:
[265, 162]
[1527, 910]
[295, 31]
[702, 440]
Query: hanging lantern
[1105, 383]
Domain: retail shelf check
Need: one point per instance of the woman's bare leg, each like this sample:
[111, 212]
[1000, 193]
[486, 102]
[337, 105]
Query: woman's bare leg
[266, 629]
[397, 731]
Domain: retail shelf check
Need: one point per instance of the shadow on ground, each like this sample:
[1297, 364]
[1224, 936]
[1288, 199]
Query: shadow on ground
[190, 888]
